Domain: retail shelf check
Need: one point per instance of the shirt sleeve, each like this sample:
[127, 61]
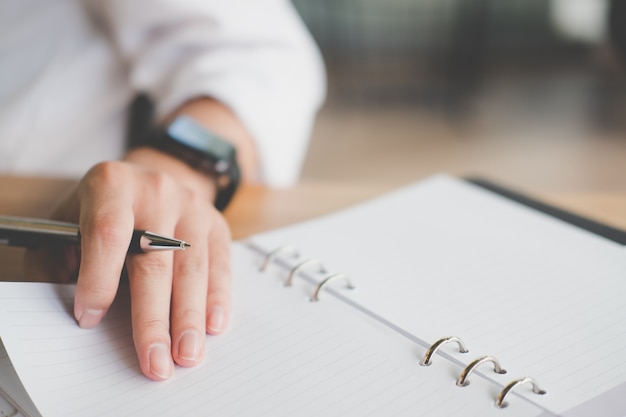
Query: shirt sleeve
[255, 56]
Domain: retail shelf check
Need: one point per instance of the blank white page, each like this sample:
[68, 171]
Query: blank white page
[444, 257]
[283, 356]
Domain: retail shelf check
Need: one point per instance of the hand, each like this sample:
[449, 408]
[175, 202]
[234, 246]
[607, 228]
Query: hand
[113, 199]
[152, 191]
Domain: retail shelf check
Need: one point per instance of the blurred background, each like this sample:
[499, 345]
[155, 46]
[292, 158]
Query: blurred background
[529, 93]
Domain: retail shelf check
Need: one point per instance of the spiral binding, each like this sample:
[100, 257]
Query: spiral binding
[275, 253]
[500, 403]
[304, 265]
[301, 266]
[316, 293]
[462, 380]
[426, 360]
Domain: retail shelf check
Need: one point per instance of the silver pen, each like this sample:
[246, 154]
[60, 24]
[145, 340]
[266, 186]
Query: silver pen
[33, 233]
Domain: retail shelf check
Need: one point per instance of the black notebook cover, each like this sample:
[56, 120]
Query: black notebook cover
[598, 228]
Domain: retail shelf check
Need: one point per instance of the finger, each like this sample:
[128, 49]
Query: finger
[150, 288]
[191, 274]
[150, 277]
[106, 224]
[219, 291]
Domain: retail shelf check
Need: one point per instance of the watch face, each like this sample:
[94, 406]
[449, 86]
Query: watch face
[189, 133]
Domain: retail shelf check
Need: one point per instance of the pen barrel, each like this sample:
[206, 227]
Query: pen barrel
[34, 240]
[37, 233]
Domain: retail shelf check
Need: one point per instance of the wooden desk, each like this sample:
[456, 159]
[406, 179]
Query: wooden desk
[256, 209]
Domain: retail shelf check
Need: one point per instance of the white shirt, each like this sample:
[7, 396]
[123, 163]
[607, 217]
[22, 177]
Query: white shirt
[69, 69]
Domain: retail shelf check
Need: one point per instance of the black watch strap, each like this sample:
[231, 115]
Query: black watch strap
[202, 150]
[225, 194]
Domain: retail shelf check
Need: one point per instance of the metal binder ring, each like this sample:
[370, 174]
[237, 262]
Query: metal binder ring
[500, 400]
[433, 348]
[301, 266]
[273, 254]
[462, 380]
[316, 293]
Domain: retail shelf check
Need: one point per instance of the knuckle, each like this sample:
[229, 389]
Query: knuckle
[108, 173]
[220, 289]
[149, 265]
[221, 229]
[186, 317]
[196, 199]
[100, 295]
[156, 324]
[106, 228]
[192, 266]
[153, 327]
[161, 185]
[193, 201]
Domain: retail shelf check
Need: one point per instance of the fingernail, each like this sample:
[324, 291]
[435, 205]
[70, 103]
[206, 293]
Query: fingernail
[89, 318]
[189, 345]
[160, 361]
[216, 320]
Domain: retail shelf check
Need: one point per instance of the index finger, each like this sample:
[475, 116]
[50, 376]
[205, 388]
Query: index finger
[106, 225]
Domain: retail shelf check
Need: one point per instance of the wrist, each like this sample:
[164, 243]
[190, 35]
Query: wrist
[200, 149]
[219, 119]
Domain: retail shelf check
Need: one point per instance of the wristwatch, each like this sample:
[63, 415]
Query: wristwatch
[202, 150]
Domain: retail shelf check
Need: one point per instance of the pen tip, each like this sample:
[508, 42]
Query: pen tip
[152, 241]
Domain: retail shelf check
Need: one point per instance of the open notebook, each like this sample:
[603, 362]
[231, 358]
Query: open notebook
[521, 290]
